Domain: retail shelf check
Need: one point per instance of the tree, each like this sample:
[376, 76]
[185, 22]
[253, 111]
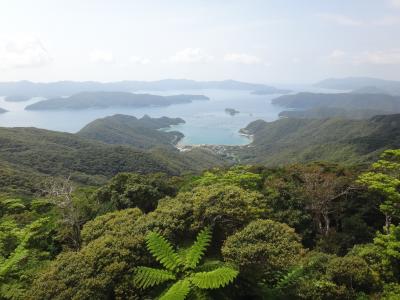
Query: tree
[322, 187]
[127, 190]
[183, 268]
[60, 194]
[240, 176]
[263, 250]
[385, 179]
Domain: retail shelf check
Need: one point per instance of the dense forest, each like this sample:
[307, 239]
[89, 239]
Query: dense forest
[300, 231]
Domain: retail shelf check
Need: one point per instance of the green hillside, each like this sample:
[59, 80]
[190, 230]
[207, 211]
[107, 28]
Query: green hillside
[63, 154]
[141, 133]
[336, 140]
[381, 102]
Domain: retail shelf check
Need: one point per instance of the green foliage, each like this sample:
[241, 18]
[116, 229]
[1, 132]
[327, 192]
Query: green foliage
[388, 246]
[239, 176]
[118, 222]
[163, 251]
[178, 291]
[147, 277]
[183, 267]
[197, 250]
[263, 250]
[214, 279]
[133, 190]
[385, 179]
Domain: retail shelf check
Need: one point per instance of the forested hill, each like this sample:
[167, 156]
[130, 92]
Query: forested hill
[336, 140]
[381, 102]
[141, 133]
[103, 99]
[38, 151]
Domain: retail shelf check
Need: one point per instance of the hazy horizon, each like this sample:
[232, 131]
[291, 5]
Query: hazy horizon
[254, 41]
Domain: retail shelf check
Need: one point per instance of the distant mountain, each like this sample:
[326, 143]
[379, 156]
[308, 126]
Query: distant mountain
[354, 83]
[349, 101]
[68, 88]
[304, 140]
[331, 112]
[2, 110]
[369, 90]
[127, 130]
[111, 99]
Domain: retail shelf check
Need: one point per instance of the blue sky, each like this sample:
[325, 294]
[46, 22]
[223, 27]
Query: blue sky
[287, 41]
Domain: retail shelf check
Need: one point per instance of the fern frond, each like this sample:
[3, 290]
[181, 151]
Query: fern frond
[147, 277]
[177, 291]
[214, 279]
[162, 251]
[196, 252]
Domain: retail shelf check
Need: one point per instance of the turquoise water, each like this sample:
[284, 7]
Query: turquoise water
[206, 121]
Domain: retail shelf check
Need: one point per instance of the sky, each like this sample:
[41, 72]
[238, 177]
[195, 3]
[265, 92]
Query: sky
[266, 41]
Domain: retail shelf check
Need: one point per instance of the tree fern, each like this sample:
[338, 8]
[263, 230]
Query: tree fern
[196, 252]
[147, 277]
[163, 251]
[177, 291]
[191, 277]
[214, 279]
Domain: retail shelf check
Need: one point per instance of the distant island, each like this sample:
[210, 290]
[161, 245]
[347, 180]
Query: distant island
[16, 98]
[141, 133]
[68, 88]
[87, 100]
[331, 112]
[349, 101]
[2, 110]
[355, 83]
[231, 111]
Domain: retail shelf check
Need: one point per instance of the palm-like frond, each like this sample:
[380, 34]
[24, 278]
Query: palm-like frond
[177, 291]
[196, 252]
[214, 279]
[162, 250]
[147, 277]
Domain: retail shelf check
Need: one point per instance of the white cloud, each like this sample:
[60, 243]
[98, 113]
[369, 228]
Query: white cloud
[242, 58]
[101, 56]
[387, 57]
[190, 55]
[340, 19]
[23, 52]
[139, 60]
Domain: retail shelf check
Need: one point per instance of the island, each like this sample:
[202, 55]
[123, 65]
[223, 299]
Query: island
[86, 100]
[16, 98]
[331, 112]
[231, 111]
[349, 101]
